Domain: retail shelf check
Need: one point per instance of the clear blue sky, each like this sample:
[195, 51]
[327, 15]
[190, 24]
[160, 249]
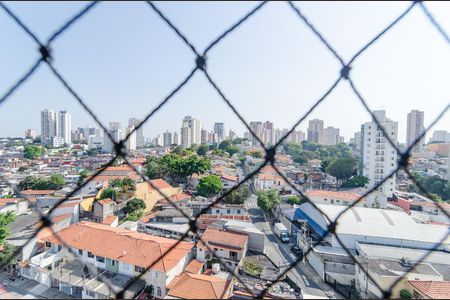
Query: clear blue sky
[123, 59]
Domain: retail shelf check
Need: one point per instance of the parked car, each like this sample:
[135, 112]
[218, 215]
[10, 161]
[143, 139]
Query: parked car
[298, 252]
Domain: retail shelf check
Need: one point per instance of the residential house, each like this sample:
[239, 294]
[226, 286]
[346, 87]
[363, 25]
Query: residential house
[231, 247]
[102, 209]
[200, 286]
[115, 253]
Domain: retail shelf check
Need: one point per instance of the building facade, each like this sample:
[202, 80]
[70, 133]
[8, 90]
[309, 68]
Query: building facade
[378, 156]
[414, 128]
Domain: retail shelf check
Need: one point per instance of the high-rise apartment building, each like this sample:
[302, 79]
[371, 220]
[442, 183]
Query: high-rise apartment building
[116, 134]
[65, 126]
[167, 137]
[315, 131]
[231, 134]
[331, 136]
[440, 136]
[414, 128]
[131, 142]
[204, 136]
[219, 129]
[30, 134]
[378, 156]
[49, 126]
[257, 129]
[176, 138]
[190, 131]
[139, 132]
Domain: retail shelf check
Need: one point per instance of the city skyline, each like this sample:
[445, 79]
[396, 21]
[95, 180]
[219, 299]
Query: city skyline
[280, 92]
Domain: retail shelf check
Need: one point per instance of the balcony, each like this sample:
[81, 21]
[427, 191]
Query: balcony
[47, 258]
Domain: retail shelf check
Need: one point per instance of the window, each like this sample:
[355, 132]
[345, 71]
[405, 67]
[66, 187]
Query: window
[125, 266]
[48, 244]
[90, 293]
[139, 269]
[100, 259]
[217, 211]
[80, 252]
[156, 275]
[90, 254]
[228, 211]
[239, 211]
[337, 201]
[158, 291]
[113, 262]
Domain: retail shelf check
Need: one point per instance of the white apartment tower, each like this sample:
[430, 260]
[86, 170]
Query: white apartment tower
[176, 138]
[65, 126]
[414, 128]
[378, 156]
[257, 129]
[49, 126]
[139, 132]
[117, 135]
[331, 136]
[315, 131]
[190, 131]
[131, 143]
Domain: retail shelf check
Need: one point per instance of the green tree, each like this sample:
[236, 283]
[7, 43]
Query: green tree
[224, 144]
[232, 149]
[83, 175]
[32, 151]
[134, 216]
[202, 150]
[133, 205]
[154, 168]
[56, 182]
[109, 193]
[5, 220]
[268, 199]
[209, 185]
[342, 168]
[294, 200]
[356, 181]
[237, 141]
[238, 196]
[27, 183]
[7, 254]
[92, 152]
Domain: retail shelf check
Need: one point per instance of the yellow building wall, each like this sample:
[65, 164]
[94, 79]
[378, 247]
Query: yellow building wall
[151, 196]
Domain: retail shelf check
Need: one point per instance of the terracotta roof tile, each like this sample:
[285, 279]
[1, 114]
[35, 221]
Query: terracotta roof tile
[38, 192]
[433, 289]
[105, 201]
[200, 286]
[194, 267]
[333, 194]
[109, 220]
[124, 245]
[224, 239]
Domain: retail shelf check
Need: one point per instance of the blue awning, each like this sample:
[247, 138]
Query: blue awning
[300, 215]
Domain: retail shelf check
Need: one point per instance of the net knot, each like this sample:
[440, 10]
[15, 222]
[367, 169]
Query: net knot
[45, 53]
[201, 62]
[345, 71]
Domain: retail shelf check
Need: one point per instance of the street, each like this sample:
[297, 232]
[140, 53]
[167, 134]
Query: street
[279, 253]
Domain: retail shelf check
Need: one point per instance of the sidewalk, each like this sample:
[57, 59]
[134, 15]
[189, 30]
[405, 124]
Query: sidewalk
[27, 289]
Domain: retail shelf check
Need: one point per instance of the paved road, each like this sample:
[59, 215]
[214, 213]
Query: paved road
[303, 274]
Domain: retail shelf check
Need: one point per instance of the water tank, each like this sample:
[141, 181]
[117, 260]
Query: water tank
[216, 268]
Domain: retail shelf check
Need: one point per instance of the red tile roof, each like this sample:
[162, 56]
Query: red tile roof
[38, 192]
[124, 245]
[223, 239]
[194, 267]
[433, 289]
[159, 183]
[333, 194]
[109, 220]
[199, 286]
[105, 201]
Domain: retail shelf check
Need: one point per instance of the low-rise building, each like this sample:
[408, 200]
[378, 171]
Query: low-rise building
[231, 247]
[112, 252]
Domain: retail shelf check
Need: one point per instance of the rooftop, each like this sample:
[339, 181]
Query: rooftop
[199, 286]
[124, 245]
[223, 238]
[433, 289]
[333, 194]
